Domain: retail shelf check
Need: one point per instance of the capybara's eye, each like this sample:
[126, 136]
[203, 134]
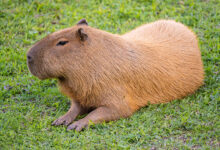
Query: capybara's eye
[61, 43]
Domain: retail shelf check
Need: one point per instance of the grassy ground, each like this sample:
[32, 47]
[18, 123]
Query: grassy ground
[28, 105]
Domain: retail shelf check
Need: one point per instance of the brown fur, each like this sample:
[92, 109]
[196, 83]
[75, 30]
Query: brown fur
[115, 75]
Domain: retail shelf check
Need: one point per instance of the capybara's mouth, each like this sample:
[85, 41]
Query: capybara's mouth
[37, 72]
[30, 68]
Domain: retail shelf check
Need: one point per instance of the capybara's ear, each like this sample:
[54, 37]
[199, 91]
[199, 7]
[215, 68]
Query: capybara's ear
[81, 34]
[82, 22]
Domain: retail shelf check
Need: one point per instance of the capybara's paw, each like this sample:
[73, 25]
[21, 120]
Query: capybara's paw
[64, 120]
[78, 125]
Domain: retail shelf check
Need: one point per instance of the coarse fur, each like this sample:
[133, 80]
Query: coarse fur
[112, 76]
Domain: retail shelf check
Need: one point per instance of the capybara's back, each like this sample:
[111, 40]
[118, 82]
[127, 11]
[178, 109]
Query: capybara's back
[172, 62]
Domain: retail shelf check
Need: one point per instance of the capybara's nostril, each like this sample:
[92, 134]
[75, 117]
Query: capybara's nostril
[29, 58]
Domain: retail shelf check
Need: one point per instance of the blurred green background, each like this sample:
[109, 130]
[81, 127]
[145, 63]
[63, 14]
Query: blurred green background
[28, 105]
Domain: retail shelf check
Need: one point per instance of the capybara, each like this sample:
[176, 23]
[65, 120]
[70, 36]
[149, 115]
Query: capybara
[111, 76]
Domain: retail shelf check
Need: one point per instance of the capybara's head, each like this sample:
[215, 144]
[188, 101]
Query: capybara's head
[48, 57]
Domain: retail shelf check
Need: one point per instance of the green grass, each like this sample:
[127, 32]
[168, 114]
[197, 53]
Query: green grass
[28, 105]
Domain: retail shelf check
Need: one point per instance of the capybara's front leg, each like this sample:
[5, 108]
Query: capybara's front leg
[69, 117]
[98, 115]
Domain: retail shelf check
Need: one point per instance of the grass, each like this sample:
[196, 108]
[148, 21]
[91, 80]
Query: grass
[28, 105]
